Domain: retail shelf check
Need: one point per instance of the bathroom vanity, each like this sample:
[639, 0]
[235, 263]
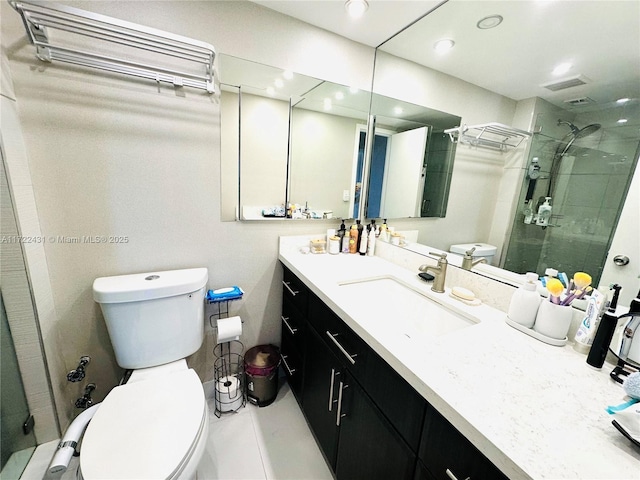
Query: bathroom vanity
[417, 385]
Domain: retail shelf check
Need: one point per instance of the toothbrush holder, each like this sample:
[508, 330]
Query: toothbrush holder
[553, 320]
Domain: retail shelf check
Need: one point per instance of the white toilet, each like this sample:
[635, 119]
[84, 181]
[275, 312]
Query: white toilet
[156, 425]
[482, 250]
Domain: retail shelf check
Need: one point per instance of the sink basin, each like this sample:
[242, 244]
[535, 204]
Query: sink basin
[405, 308]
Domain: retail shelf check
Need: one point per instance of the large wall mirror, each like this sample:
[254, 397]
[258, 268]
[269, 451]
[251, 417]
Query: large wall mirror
[292, 139]
[584, 123]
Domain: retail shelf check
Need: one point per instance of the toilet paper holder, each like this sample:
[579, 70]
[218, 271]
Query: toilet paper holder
[228, 366]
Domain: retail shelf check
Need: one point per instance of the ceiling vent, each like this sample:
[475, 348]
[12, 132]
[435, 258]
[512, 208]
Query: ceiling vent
[576, 102]
[566, 83]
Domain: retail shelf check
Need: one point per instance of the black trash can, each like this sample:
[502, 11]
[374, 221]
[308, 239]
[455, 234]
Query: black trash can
[261, 370]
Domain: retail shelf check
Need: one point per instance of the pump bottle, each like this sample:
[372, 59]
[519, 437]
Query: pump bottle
[363, 241]
[544, 213]
[525, 302]
[341, 233]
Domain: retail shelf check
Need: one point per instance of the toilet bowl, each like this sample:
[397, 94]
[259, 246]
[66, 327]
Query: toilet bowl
[153, 427]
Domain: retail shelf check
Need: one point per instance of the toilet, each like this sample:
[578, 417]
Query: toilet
[156, 424]
[482, 250]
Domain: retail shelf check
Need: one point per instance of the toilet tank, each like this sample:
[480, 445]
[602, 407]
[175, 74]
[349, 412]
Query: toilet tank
[153, 318]
[481, 250]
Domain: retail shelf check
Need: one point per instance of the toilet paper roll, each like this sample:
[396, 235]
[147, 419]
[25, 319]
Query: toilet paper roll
[228, 395]
[229, 329]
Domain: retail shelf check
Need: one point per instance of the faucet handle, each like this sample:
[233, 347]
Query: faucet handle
[442, 256]
[469, 253]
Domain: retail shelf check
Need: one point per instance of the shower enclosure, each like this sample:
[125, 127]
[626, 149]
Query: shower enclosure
[585, 171]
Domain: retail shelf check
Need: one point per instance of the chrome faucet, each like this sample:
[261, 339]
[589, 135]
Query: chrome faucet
[439, 271]
[468, 262]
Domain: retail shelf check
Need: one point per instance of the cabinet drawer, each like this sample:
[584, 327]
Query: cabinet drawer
[292, 363]
[293, 322]
[295, 290]
[343, 342]
[446, 452]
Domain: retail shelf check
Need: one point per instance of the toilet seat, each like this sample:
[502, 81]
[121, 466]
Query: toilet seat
[146, 429]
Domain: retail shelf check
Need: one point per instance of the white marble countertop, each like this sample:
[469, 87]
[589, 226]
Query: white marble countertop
[535, 410]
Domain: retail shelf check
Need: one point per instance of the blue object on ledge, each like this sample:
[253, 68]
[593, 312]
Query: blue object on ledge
[224, 294]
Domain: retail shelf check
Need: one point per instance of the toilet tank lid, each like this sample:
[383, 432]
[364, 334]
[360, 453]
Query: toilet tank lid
[482, 249]
[148, 286]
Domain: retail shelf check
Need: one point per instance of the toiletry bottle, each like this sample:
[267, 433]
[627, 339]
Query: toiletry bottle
[589, 324]
[634, 306]
[341, 233]
[359, 225]
[383, 231]
[544, 213]
[364, 238]
[525, 302]
[603, 337]
[353, 239]
[371, 248]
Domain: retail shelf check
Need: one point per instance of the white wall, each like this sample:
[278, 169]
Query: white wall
[116, 156]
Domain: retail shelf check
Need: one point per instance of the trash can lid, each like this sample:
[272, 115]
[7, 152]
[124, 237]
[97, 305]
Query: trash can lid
[262, 359]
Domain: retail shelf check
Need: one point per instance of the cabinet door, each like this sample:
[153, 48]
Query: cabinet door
[292, 346]
[447, 454]
[320, 395]
[369, 447]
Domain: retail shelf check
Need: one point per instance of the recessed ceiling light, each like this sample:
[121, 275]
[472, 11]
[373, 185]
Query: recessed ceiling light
[339, 95]
[356, 8]
[443, 45]
[397, 110]
[622, 100]
[562, 68]
[622, 121]
[491, 21]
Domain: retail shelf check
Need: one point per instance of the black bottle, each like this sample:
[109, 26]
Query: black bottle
[603, 337]
[341, 233]
[634, 307]
[360, 227]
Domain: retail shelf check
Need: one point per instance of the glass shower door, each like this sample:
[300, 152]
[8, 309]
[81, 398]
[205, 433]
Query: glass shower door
[589, 177]
[14, 412]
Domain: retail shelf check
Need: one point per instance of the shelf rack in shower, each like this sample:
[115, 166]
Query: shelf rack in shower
[65, 34]
[489, 135]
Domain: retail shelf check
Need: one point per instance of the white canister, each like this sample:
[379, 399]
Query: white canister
[553, 320]
[334, 245]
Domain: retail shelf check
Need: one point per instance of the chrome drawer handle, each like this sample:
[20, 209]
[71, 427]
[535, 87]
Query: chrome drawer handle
[348, 356]
[452, 476]
[284, 320]
[290, 370]
[332, 380]
[286, 284]
[339, 413]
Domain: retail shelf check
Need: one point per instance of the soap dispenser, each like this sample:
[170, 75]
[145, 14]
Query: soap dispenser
[525, 302]
[341, 233]
[544, 213]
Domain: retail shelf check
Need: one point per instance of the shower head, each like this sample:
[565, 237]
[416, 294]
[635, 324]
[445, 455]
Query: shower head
[580, 132]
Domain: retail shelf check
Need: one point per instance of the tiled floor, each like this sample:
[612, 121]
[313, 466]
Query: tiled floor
[269, 443]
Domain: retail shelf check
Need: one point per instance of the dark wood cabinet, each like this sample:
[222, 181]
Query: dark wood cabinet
[369, 447]
[292, 347]
[368, 421]
[294, 325]
[322, 379]
[447, 454]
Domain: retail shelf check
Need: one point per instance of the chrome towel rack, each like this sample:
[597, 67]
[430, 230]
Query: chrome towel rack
[70, 35]
[490, 135]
